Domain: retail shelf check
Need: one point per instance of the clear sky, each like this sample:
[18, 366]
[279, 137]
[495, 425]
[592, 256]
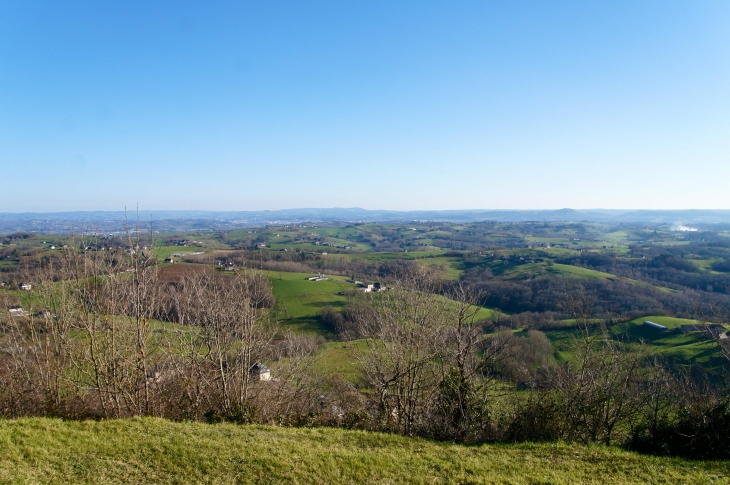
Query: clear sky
[252, 105]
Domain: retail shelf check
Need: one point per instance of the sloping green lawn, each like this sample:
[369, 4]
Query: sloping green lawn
[682, 348]
[565, 269]
[340, 358]
[298, 301]
[157, 451]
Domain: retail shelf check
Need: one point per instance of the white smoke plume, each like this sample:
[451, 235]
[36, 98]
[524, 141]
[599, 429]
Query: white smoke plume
[681, 227]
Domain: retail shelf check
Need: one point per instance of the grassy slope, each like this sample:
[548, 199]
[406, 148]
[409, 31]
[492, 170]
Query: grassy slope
[299, 300]
[579, 272]
[340, 358]
[685, 348]
[157, 451]
[682, 348]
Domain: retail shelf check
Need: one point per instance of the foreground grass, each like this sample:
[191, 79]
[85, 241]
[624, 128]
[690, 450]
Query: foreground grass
[150, 450]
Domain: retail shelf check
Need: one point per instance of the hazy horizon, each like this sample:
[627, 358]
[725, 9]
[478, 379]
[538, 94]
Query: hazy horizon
[284, 209]
[387, 106]
[19, 220]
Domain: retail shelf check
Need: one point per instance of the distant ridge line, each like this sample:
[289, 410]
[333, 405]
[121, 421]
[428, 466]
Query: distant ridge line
[688, 216]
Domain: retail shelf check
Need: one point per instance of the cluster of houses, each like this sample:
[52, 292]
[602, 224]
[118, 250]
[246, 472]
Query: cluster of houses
[227, 266]
[364, 287]
[376, 287]
[318, 277]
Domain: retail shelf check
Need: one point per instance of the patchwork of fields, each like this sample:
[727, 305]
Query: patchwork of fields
[516, 254]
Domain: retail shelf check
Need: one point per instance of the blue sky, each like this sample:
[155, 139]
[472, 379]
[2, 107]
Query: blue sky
[381, 105]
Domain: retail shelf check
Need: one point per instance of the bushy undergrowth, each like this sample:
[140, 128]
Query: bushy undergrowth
[699, 434]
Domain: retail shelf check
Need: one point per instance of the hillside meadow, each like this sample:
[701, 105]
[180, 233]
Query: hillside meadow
[150, 450]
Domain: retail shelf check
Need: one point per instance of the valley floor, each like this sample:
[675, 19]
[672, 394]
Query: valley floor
[147, 450]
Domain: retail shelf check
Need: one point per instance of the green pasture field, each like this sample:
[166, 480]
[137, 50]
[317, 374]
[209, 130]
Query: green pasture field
[500, 266]
[310, 246]
[563, 341]
[512, 270]
[151, 450]
[299, 301]
[411, 254]
[287, 239]
[554, 252]
[353, 244]
[240, 233]
[680, 348]
[586, 273]
[565, 269]
[339, 358]
[553, 240]
[669, 322]
[485, 313]
[334, 241]
[673, 243]
[346, 233]
[683, 348]
[454, 266]
[620, 238]
[521, 271]
[705, 264]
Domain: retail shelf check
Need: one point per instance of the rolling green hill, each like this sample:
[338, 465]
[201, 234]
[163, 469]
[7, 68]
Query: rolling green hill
[681, 348]
[298, 301]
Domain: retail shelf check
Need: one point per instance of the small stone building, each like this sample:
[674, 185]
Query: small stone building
[260, 372]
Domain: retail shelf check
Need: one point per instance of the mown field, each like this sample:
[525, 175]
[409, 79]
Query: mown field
[148, 450]
[299, 301]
